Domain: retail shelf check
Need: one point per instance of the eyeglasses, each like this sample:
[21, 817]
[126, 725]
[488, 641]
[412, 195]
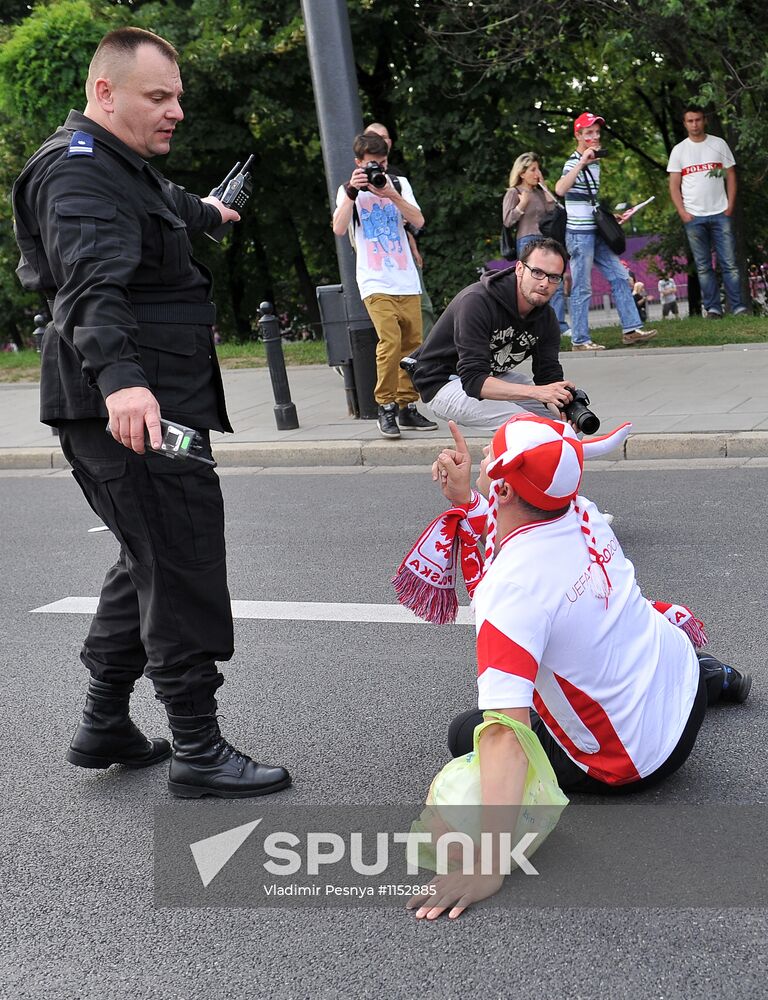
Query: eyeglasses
[538, 275]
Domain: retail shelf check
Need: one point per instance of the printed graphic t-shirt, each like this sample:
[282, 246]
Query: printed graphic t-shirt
[702, 166]
[612, 679]
[384, 260]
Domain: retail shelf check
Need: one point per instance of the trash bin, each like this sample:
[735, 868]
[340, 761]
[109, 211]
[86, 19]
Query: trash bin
[351, 351]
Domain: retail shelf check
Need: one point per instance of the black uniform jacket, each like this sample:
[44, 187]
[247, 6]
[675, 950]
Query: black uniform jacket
[105, 238]
[481, 333]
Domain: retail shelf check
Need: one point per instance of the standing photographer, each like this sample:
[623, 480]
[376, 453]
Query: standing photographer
[580, 186]
[387, 277]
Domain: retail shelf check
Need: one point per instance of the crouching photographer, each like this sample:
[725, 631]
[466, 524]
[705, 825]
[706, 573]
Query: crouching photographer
[468, 368]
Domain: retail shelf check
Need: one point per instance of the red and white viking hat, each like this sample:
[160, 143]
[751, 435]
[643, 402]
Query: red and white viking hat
[540, 459]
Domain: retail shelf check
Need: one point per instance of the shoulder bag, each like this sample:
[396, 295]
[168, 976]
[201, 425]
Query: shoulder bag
[553, 223]
[605, 221]
[508, 241]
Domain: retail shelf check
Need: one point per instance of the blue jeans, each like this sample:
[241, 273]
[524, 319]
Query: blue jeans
[558, 299]
[587, 249]
[708, 233]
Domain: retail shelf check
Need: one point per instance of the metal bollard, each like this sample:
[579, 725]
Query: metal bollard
[41, 321]
[286, 417]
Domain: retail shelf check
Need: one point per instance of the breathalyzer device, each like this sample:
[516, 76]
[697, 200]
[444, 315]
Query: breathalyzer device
[178, 442]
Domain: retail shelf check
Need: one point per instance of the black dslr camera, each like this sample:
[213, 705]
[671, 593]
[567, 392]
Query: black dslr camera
[579, 413]
[375, 174]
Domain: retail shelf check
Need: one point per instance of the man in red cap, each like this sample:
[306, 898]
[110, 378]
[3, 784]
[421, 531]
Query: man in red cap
[612, 684]
[580, 186]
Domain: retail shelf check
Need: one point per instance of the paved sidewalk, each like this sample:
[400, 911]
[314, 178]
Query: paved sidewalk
[707, 402]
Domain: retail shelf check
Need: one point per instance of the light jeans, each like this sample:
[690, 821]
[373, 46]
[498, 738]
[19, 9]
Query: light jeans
[558, 299]
[708, 233]
[452, 403]
[586, 250]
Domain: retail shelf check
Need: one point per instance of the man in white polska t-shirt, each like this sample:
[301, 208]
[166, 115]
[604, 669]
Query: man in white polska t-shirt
[702, 185]
[389, 284]
[619, 691]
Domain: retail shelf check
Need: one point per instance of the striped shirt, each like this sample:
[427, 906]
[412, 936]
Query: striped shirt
[578, 204]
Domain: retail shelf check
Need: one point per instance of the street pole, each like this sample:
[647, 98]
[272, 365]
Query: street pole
[340, 119]
[286, 417]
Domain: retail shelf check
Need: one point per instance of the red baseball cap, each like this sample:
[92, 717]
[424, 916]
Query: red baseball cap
[587, 119]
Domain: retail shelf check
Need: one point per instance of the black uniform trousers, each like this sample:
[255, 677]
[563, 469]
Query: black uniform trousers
[164, 608]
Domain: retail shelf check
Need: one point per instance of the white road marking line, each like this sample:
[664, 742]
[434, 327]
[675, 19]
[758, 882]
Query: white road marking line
[308, 611]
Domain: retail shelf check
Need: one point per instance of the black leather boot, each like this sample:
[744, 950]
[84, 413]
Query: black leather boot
[107, 735]
[203, 763]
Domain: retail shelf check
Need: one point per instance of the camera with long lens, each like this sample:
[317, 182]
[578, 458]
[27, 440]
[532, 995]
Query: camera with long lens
[374, 171]
[579, 413]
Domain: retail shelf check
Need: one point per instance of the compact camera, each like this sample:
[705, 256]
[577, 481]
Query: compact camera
[600, 152]
[579, 413]
[374, 171]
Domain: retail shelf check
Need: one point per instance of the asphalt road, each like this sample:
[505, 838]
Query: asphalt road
[359, 714]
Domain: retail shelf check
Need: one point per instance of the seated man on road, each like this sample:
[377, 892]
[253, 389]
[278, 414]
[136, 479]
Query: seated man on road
[467, 367]
[566, 642]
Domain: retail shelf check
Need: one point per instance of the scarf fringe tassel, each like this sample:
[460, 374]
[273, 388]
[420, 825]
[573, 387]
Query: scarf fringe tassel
[694, 629]
[433, 604]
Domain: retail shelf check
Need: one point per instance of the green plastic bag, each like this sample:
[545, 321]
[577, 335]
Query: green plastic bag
[454, 801]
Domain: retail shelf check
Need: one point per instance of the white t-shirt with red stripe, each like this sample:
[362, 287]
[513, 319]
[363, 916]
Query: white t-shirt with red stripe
[702, 166]
[612, 679]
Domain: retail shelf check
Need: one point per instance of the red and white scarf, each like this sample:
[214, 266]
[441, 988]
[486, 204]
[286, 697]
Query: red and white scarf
[426, 579]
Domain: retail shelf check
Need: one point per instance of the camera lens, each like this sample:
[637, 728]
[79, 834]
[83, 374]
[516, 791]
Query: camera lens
[579, 414]
[588, 422]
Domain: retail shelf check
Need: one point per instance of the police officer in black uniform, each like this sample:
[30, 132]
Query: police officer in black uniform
[106, 238]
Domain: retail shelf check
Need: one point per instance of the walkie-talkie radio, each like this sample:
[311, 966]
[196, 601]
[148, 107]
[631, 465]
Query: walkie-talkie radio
[234, 192]
[178, 442]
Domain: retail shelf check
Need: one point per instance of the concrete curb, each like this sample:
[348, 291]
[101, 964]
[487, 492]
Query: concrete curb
[389, 454]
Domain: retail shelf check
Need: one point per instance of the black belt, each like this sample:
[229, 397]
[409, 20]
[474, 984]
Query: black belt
[192, 313]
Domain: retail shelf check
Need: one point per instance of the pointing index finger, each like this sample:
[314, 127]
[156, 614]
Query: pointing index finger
[458, 437]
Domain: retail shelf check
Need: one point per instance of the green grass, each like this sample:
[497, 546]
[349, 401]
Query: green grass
[19, 366]
[24, 366]
[253, 355]
[693, 332]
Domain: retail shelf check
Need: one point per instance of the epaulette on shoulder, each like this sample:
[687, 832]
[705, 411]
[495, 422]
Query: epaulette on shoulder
[81, 144]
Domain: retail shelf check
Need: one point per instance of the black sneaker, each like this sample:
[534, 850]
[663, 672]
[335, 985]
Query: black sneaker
[736, 686]
[388, 421]
[410, 419]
